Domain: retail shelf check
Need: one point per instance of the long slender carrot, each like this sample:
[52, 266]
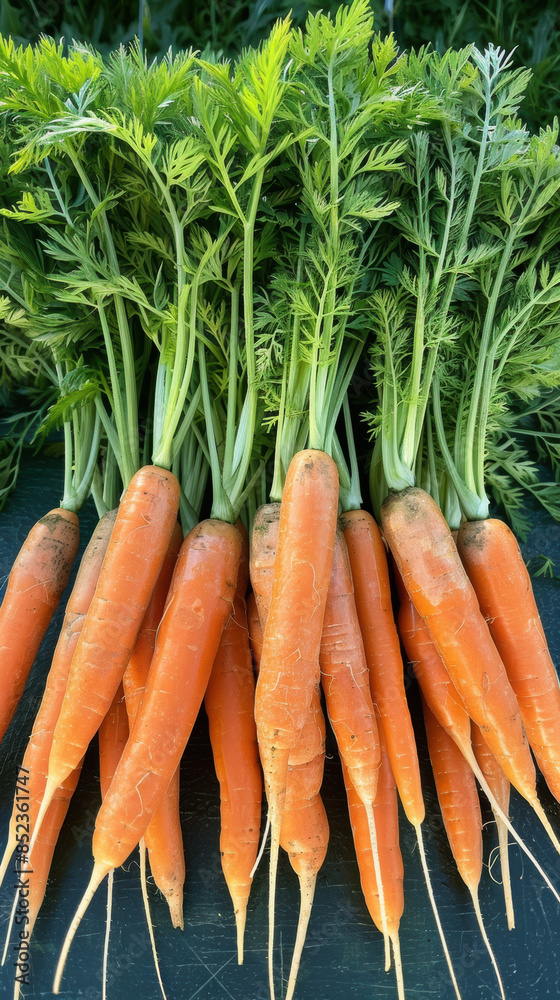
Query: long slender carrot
[37, 579]
[372, 588]
[460, 808]
[346, 683]
[145, 521]
[440, 590]
[292, 638]
[390, 859]
[304, 832]
[229, 703]
[500, 788]
[163, 837]
[35, 760]
[491, 556]
[199, 604]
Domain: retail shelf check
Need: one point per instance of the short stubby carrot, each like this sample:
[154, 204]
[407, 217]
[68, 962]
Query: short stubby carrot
[145, 521]
[230, 703]
[432, 572]
[494, 564]
[372, 589]
[38, 577]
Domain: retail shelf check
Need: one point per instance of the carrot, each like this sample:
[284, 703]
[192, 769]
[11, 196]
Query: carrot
[292, 638]
[460, 808]
[264, 543]
[444, 702]
[37, 579]
[113, 734]
[229, 703]
[386, 814]
[442, 594]
[372, 589]
[163, 837]
[500, 788]
[145, 520]
[304, 832]
[36, 755]
[33, 771]
[494, 564]
[198, 606]
[255, 631]
[346, 684]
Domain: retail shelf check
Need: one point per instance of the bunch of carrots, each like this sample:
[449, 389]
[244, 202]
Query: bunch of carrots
[198, 259]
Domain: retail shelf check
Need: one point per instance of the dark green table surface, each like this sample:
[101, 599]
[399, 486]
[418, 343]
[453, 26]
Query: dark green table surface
[343, 955]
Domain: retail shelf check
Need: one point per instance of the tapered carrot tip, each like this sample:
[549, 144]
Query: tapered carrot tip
[175, 904]
[98, 874]
[240, 920]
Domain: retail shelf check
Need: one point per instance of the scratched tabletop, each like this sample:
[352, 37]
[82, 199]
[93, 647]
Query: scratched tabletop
[343, 956]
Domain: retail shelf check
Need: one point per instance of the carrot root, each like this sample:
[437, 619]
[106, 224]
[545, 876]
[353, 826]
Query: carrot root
[143, 884]
[435, 910]
[477, 910]
[307, 892]
[377, 869]
[398, 965]
[504, 865]
[110, 882]
[98, 874]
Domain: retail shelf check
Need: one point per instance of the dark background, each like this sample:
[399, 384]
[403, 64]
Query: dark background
[343, 956]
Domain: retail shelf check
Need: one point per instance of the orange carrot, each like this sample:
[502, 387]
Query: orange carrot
[229, 703]
[198, 606]
[112, 735]
[38, 577]
[445, 703]
[35, 760]
[304, 832]
[460, 808]
[145, 521]
[346, 684]
[264, 543]
[491, 556]
[255, 631]
[442, 594]
[372, 588]
[390, 859]
[164, 837]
